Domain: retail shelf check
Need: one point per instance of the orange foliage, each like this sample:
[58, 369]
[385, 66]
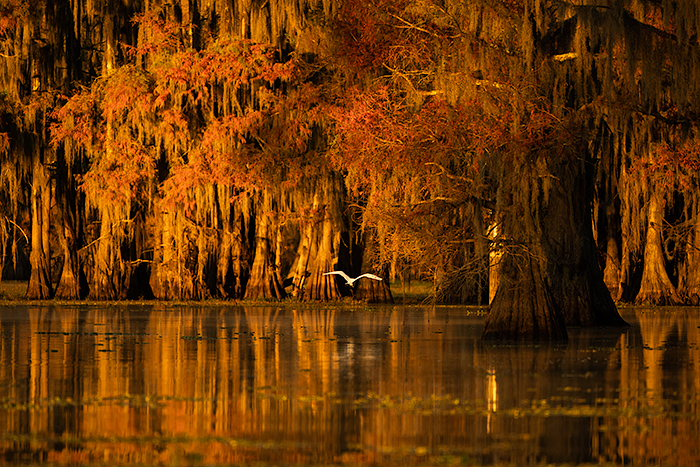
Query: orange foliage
[218, 115]
[377, 136]
[76, 121]
[386, 33]
[119, 175]
[671, 166]
[161, 36]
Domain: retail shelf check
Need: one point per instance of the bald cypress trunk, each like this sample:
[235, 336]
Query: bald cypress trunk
[548, 275]
[612, 275]
[165, 281]
[69, 285]
[656, 287]
[319, 287]
[264, 280]
[572, 257]
[299, 272]
[689, 281]
[171, 276]
[523, 305]
[373, 291]
[40, 286]
[203, 276]
[229, 261]
[323, 250]
[109, 278]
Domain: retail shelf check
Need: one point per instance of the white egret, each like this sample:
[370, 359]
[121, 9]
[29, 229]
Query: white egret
[351, 280]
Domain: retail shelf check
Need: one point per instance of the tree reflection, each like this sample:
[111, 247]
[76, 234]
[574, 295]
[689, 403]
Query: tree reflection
[231, 384]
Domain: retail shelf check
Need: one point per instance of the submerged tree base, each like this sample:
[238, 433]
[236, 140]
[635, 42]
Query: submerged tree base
[522, 308]
[372, 291]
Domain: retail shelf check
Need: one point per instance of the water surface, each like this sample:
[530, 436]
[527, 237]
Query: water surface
[385, 385]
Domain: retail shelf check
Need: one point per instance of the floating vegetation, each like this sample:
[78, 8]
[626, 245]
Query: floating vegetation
[436, 404]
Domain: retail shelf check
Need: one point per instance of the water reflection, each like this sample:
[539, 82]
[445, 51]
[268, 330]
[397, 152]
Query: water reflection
[187, 385]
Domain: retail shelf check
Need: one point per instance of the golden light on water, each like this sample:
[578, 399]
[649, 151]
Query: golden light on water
[385, 385]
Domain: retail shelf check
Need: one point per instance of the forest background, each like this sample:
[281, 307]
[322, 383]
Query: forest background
[538, 155]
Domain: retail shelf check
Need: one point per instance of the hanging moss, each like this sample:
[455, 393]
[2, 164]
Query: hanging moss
[182, 106]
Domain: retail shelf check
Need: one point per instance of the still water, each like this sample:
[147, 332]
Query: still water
[386, 385]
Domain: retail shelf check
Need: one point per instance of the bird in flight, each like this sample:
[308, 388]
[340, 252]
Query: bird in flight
[351, 280]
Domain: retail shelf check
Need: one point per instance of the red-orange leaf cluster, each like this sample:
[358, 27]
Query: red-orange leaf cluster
[218, 115]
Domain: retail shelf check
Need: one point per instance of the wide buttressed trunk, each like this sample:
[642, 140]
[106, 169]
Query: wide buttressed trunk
[373, 291]
[689, 281]
[111, 273]
[264, 282]
[71, 284]
[40, 286]
[172, 277]
[233, 218]
[307, 228]
[548, 275]
[612, 273]
[656, 287]
[523, 307]
[572, 257]
[370, 290]
[324, 244]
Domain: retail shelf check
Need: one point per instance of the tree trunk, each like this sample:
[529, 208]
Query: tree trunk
[69, 285]
[549, 275]
[573, 269]
[299, 272]
[522, 308]
[40, 286]
[157, 278]
[263, 282]
[324, 244]
[656, 287]
[611, 273]
[370, 290]
[4, 241]
[231, 232]
[203, 276]
[226, 280]
[300, 268]
[110, 276]
[689, 282]
[320, 287]
[373, 291]
[170, 278]
[495, 254]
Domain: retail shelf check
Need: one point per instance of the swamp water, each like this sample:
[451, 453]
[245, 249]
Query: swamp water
[385, 385]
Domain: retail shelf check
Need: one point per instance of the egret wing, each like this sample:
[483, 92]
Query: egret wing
[347, 278]
[370, 276]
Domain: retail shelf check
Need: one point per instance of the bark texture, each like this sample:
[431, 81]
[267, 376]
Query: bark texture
[572, 257]
[372, 291]
[689, 283]
[70, 286]
[324, 242]
[522, 308]
[40, 285]
[264, 281]
[656, 287]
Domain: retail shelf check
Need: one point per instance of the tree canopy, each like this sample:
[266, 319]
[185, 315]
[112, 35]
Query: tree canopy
[537, 155]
